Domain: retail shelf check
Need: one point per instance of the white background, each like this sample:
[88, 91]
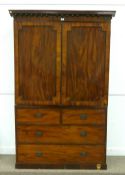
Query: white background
[116, 109]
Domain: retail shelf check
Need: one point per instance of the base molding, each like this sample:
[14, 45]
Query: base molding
[59, 166]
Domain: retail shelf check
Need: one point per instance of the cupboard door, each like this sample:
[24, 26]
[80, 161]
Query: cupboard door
[37, 62]
[85, 57]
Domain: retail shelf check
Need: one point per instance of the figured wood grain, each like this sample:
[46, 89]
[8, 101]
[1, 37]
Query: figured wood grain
[37, 56]
[94, 116]
[61, 134]
[84, 63]
[61, 73]
[60, 154]
[39, 116]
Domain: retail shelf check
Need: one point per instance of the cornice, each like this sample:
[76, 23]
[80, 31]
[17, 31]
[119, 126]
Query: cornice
[60, 13]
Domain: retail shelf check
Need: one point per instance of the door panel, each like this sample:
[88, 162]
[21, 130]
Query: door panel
[83, 64]
[37, 56]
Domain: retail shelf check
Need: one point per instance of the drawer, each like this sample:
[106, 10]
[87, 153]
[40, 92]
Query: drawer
[60, 154]
[42, 116]
[90, 116]
[61, 134]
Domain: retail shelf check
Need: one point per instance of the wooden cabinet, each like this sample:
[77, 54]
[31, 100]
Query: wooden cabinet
[61, 85]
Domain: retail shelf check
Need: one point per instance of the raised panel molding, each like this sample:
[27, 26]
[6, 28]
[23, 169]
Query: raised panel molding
[80, 31]
[48, 32]
[44, 69]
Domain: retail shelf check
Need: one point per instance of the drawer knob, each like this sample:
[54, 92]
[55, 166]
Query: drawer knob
[83, 116]
[39, 133]
[83, 154]
[83, 133]
[38, 115]
[39, 154]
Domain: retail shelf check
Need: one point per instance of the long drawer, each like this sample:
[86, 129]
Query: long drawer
[84, 116]
[41, 116]
[61, 134]
[60, 154]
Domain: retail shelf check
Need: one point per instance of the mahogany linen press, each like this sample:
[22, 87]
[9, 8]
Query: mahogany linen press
[61, 88]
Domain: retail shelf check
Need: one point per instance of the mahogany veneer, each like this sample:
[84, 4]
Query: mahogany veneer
[61, 85]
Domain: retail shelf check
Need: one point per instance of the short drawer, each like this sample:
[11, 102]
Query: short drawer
[90, 116]
[61, 134]
[41, 116]
[60, 154]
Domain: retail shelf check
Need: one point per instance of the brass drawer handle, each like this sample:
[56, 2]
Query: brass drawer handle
[83, 116]
[39, 154]
[39, 133]
[83, 133]
[38, 115]
[83, 154]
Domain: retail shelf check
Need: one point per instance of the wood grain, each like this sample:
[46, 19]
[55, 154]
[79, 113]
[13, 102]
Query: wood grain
[84, 64]
[61, 88]
[60, 154]
[61, 134]
[37, 81]
[39, 116]
[86, 116]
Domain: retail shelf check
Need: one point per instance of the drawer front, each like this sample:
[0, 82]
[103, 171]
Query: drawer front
[61, 134]
[42, 116]
[60, 154]
[89, 116]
